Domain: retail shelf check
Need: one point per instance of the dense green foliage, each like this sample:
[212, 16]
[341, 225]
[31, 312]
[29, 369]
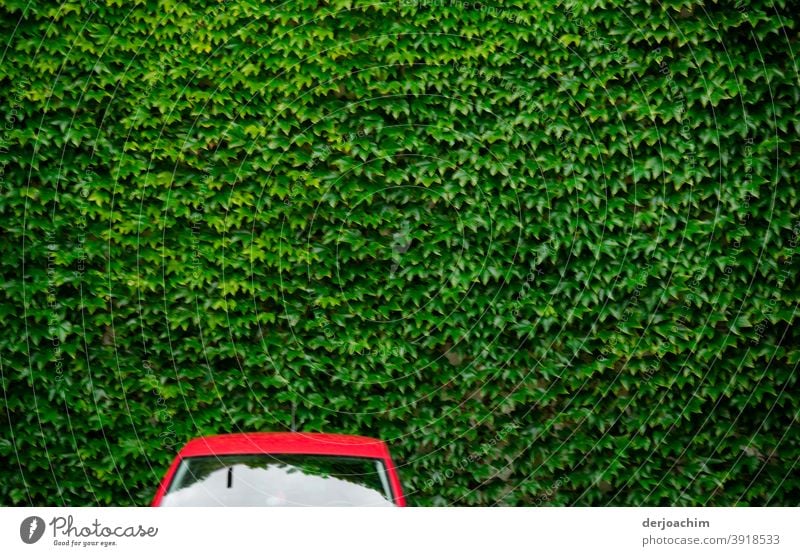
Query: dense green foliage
[548, 251]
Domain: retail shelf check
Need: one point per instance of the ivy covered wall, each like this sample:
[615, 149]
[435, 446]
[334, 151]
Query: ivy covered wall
[546, 250]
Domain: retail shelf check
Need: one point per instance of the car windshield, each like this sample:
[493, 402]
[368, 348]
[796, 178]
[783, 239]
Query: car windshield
[279, 480]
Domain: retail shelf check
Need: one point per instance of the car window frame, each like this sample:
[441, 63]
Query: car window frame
[386, 479]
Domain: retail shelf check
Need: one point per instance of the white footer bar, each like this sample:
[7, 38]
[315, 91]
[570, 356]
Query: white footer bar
[406, 531]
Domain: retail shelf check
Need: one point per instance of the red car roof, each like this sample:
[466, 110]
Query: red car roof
[286, 443]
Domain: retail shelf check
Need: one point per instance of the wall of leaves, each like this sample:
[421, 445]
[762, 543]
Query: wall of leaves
[546, 250]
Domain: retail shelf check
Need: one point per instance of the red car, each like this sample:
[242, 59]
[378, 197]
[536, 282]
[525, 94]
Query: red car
[281, 469]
